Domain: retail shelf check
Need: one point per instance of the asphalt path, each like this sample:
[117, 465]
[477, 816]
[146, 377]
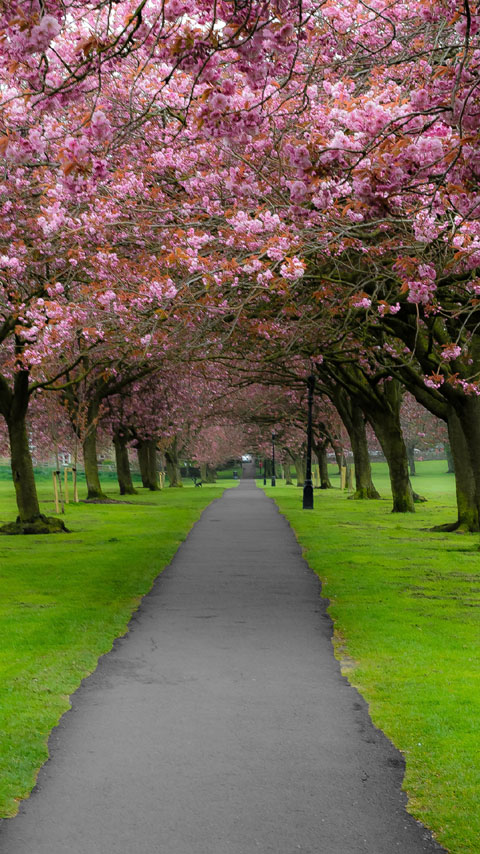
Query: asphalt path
[221, 723]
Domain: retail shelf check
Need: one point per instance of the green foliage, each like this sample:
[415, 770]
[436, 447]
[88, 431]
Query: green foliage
[406, 609]
[65, 598]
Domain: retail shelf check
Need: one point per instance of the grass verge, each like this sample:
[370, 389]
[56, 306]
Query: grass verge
[406, 609]
[64, 599]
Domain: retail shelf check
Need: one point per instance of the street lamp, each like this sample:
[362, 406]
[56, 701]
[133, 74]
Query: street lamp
[272, 483]
[308, 486]
[265, 471]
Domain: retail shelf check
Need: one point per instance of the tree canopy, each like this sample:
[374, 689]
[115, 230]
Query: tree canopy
[198, 196]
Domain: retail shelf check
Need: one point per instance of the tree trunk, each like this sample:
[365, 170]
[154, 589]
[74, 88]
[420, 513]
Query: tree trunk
[353, 418]
[147, 461]
[395, 452]
[467, 505]
[211, 475]
[364, 486]
[90, 462]
[171, 462]
[411, 458]
[124, 474]
[468, 411]
[321, 453]
[29, 520]
[14, 407]
[142, 454]
[300, 469]
[22, 469]
[386, 424]
[338, 457]
[288, 474]
[153, 483]
[450, 461]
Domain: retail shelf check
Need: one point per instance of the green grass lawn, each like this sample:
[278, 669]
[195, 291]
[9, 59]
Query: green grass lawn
[65, 598]
[406, 608]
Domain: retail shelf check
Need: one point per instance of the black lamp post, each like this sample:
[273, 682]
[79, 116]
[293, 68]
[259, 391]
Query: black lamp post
[265, 471]
[308, 486]
[272, 483]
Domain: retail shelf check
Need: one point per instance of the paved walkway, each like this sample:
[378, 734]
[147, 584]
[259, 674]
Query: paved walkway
[249, 470]
[221, 724]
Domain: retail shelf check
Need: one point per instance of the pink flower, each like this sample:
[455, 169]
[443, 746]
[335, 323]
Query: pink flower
[363, 302]
[422, 291]
[299, 156]
[420, 99]
[106, 298]
[228, 87]
[292, 269]
[435, 382]
[37, 141]
[323, 196]
[171, 291]
[101, 128]
[218, 102]
[419, 292]
[426, 271]
[174, 9]
[43, 33]
[461, 25]
[284, 33]
[427, 150]
[425, 228]
[451, 351]
[298, 191]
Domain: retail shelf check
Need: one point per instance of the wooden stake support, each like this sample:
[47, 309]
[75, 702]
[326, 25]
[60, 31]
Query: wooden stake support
[56, 475]
[161, 479]
[65, 478]
[75, 488]
[343, 477]
[73, 471]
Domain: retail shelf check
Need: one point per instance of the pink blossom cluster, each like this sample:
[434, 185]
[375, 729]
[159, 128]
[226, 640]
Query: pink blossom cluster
[292, 269]
[450, 352]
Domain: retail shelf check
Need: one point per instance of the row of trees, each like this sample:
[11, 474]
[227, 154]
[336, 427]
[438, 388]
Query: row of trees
[260, 189]
[203, 417]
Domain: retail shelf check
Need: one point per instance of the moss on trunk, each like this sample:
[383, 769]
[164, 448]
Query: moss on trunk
[171, 463]
[465, 487]
[385, 421]
[142, 454]
[211, 474]
[394, 449]
[14, 407]
[124, 474]
[300, 468]
[147, 460]
[94, 489]
[353, 418]
[321, 454]
[22, 470]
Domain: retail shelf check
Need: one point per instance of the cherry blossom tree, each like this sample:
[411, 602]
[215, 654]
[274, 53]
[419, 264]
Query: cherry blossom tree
[279, 171]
